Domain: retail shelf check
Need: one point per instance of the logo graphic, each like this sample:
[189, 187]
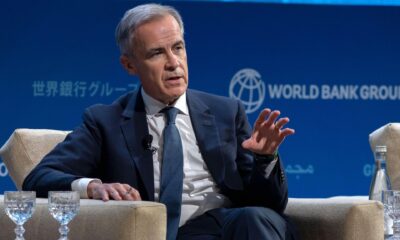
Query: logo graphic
[3, 170]
[247, 86]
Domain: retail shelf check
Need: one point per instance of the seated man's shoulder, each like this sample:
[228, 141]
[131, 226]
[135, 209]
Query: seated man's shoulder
[117, 105]
[216, 103]
[110, 112]
[212, 98]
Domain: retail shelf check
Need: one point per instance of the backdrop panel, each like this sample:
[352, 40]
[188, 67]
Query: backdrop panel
[334, 70]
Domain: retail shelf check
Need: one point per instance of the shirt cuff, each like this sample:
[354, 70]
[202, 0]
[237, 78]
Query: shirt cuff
[80, 185]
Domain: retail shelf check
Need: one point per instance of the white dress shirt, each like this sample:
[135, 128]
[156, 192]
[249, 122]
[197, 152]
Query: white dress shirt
[200, 192]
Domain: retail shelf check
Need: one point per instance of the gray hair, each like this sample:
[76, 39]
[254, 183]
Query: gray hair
[134, 17]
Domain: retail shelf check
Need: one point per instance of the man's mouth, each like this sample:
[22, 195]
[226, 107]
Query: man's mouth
[174, 78]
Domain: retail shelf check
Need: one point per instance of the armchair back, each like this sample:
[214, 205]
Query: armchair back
[25, 148]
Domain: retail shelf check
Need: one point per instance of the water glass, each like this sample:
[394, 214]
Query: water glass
[63, 206]
[19, 206]
[391, 203]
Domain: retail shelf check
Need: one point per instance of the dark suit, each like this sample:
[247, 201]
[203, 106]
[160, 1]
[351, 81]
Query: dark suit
[109, 146]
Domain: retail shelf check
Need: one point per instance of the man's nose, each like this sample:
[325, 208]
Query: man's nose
[172, 61]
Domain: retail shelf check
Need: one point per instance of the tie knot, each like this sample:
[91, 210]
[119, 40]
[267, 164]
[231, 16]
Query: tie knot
[170, 113]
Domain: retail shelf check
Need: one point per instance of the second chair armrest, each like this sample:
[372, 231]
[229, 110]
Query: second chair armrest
[344, 218]
[123, 220]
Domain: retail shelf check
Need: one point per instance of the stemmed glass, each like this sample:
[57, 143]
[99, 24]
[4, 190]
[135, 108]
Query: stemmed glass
[63, 206]
[391, 203]
[19, 206]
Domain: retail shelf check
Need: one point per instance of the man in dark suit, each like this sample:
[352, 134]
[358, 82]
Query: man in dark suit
[218, 179]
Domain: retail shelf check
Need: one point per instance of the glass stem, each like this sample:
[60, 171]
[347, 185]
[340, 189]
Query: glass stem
[396, 228]
[19, 231]
[63, 231]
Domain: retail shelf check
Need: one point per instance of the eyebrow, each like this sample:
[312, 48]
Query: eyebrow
[156, 49]
[178, 43]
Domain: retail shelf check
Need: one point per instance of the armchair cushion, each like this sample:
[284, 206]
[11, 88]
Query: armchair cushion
[389, 135]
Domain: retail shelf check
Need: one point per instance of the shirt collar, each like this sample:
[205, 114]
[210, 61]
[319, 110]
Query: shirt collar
[154, 106]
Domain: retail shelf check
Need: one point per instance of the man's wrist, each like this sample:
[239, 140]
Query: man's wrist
[81, 185]
[266, 158]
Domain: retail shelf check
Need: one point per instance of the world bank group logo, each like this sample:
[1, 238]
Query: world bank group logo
[247, 86]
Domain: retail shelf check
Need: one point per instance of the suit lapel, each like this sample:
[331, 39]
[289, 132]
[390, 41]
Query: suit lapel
[134, 128]
[207, 136]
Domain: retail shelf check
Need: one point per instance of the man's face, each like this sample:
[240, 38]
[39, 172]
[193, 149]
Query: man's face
[159, 59]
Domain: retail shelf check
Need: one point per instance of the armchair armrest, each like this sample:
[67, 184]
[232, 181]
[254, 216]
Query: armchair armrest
[344, 218]
[124, 220]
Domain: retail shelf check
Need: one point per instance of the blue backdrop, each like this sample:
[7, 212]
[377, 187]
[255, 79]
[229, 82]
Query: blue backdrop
[334, 70]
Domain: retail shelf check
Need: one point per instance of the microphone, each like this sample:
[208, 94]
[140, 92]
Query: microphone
[146, 143]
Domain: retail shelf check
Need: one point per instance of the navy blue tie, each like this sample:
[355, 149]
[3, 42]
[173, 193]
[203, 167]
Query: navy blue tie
[172, 173]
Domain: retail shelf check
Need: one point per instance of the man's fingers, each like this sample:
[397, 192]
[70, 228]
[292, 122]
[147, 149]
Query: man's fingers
[281, 122]
[97, 191]
[114, 191]
[104, 195]
[132, 194]
[114, 194]
[246, 143]
[110, 191]
[262, 116]
[287, 131]
[136, 195]
[268, 132]
[127, 195]
[124, 192]
[272, 117]
[100, 193]
[121, 190]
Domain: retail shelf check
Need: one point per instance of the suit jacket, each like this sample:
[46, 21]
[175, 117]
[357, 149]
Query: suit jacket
[109, 145]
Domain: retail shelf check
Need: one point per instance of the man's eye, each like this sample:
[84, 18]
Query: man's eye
[156, 53]
[178, 48]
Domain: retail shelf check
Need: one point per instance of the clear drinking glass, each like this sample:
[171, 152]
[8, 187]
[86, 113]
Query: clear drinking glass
[63, 206]
[391, 203]
[19, 206]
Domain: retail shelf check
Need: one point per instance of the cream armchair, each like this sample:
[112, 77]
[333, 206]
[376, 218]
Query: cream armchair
[122, 220]
[389, 135]
[338, 218]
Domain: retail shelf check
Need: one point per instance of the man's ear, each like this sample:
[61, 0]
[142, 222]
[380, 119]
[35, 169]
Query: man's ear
[128, 64]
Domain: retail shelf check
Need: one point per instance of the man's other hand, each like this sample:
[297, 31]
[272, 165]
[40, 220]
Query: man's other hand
[115, 191]
[268, 133]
